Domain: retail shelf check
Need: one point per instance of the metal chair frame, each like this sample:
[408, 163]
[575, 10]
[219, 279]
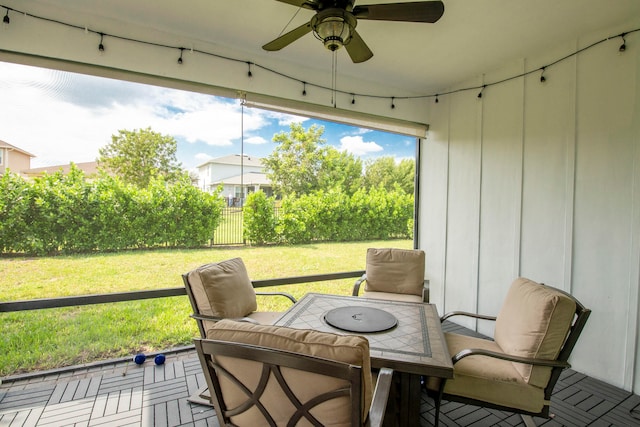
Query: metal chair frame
[272, 361]
[558, 365]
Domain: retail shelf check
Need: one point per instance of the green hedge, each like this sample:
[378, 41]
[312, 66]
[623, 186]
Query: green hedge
[68, 213]
[330, 216]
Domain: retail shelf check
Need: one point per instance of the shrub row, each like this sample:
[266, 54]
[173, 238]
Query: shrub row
[329, 216]
[67, 213]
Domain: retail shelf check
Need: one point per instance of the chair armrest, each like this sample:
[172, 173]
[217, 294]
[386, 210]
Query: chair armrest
[380, 398]
[356, 286]
[425, 291]
[464, 313]
[526, 360]
[215, 318]
[283, 294]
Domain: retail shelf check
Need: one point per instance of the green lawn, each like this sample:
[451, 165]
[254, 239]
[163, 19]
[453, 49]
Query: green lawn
[45, 339]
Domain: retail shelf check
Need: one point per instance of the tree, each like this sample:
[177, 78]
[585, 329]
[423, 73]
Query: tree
[384, 172]
[340, 170]
[294, 164]
[138, 156]
[301, 163]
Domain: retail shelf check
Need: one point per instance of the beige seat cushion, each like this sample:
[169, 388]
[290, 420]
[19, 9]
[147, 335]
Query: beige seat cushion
[488, 379]
[350, 349]
[393, 270]
[265, 317]
[391, 296]
[534, 322]
[223, 289]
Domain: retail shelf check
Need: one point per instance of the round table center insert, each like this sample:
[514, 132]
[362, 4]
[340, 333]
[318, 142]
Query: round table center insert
[360, 319]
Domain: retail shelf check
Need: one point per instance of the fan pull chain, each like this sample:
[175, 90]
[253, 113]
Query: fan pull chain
[334, 78]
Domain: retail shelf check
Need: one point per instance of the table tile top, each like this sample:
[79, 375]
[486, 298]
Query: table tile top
[415, 345]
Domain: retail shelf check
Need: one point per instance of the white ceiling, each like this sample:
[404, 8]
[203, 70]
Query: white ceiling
[472, 37]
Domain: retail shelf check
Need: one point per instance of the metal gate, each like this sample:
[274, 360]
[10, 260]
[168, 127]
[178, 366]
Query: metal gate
[229, 232]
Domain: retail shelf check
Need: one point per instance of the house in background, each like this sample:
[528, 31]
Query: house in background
[18, 161]
[89, 169]
[13, 158]
[238, 175]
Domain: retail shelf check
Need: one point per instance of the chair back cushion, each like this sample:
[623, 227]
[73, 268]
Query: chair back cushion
[223, 289]
[395, 270]
[534, 322]
[349, 349]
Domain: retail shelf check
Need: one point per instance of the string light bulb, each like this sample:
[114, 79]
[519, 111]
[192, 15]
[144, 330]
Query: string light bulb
[623, 46]
[353, 98]
[249, 73]
[542, 77]
[393, 104]
[101, 46]
[180, 61]
[481, 90]
[6, 20]
[304, 88]
[437, 100]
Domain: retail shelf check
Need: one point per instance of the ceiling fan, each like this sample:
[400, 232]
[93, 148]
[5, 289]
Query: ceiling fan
[335, 22]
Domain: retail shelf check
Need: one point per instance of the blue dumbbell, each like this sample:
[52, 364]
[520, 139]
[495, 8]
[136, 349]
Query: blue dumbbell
[139, 358]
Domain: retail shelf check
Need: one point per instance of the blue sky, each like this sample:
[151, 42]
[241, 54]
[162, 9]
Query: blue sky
[62, 117]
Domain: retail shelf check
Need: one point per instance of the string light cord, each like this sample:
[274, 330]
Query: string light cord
[333, 90]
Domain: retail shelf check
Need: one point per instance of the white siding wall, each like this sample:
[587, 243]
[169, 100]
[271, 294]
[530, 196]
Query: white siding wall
[541, 180]
[219, 172]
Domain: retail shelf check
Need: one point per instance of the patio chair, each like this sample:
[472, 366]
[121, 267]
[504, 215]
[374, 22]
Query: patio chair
[271, 375]
[223, 290]
[535, 332]
[394, 274]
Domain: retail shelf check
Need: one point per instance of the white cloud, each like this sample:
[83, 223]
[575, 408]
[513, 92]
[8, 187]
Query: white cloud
[357, 146]
[360, 131]
[283, 118]
[61, 117]
[255, 140]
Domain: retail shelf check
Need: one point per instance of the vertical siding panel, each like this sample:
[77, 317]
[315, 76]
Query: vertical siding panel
[463, 204]
[632, 364]
[433, 202]
[548, 176]
[501, 191]
[606, 134]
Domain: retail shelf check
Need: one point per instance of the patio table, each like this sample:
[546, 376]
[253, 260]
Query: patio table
[414, 347]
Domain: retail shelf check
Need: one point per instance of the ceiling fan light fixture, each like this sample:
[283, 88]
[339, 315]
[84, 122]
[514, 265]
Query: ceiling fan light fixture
[333, 27]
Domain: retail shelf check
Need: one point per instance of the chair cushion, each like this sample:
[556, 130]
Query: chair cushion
[488, 379]
[399, 271]
[392, 296]
[223, 289]
[534, 322]
[350, 349]
[265, 317]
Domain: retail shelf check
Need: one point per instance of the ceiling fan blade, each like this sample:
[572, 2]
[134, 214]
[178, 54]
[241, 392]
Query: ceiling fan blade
[425, 11]
[307, 4]
[288, 38]
[357, 48]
